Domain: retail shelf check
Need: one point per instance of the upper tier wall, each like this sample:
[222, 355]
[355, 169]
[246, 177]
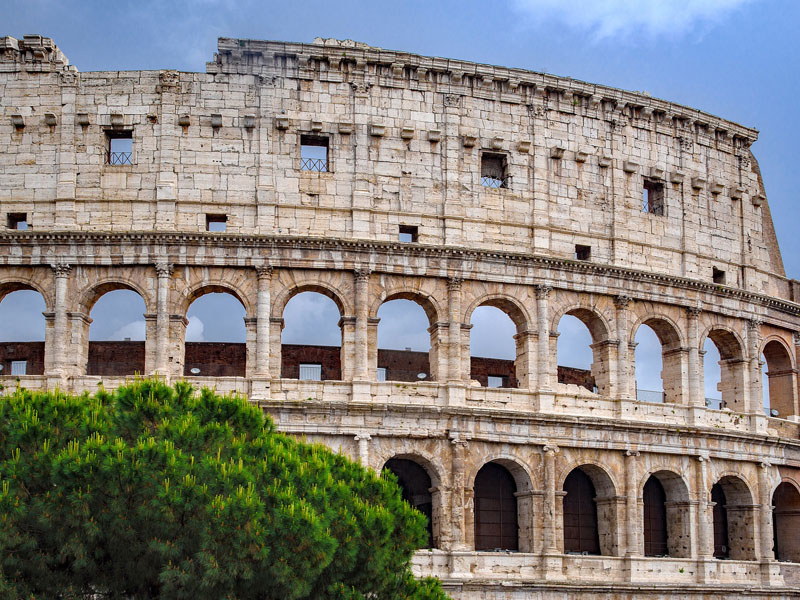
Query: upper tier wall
[406, 137]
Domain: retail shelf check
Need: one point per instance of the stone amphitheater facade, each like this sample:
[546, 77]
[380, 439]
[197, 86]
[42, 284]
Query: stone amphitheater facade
[515, 189]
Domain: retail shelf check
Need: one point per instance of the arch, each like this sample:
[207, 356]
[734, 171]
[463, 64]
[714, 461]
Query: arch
[726, 340]
[594, 521]
[496, 518]
[732, 368]
[403, 319]
[199, 290]
[9, 286]
[602, 376]
[428, 303]
[520, 471]
[322, 352]
[595, 322]
[120, 351]
[326, 289]
[786, 521]
[734, 519]
[500, 360]
[781, 388]
[224, 354]
[666, 514]
[416, 486]
[673, 374]
[23, 347]
[667, 331]
[510, 306]
[100, 288]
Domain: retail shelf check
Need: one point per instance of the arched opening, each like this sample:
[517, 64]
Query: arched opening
[666, 516]
[589, 511]
[311, 340]
[723, 371]
[216, 336]
[404, 341]
[779, 384]
[23, 333]
[493, 349]
[415, 484]
[580, 515]
[495, 509]
[117, 334]
[661, 375]
[786, 522]
[734, 519]
[584, 357]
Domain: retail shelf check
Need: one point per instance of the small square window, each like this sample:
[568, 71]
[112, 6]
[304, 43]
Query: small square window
[653, 197]
[314, 153]
[119, 148]
[494, 168]
[380, 374]
[17, 221]
[583, 252]
[408, 233]
[19, 367]
[495, 381]
[718, 275]
[216, 222]
[310, 372]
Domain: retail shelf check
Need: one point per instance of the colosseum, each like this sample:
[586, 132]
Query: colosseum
[368, 176]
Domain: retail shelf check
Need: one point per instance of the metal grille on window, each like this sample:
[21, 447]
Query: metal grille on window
[314, 153]
[310, 372]
[380, 375]
[493, 170]
[120, 149]
[19, 367]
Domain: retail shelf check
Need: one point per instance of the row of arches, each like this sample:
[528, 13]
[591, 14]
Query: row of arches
[656, 357]
[589, 515]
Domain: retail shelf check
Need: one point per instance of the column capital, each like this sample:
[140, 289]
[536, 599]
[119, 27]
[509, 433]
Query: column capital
[693, 312]
[621, 301]
[755, 324]
[362, 436]
[61, 269]
[550, 449]
[796, 338]
[264, 271]
[163, 269]
[454, 283]
[362, 274]
[458, 439]
[543, 290]
[632, 453]
[765, 465]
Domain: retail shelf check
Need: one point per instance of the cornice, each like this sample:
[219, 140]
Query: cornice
[245, 241]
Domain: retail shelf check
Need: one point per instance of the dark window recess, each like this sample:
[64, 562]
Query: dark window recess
[583, 252]
[314, 153]
[495, 509]
[494, 170]
[119, 148]
[216, 222]
[655, 519]
[580, 515]
[653, 197]
[17, 221]
[718, 275]
[408, 233]
[721, 546]
[415, 485]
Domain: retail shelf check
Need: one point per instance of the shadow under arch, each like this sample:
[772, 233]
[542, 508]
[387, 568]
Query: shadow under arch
[332, 292]
[782, 391]
[674, 363]
[666, 514]
[602, 350]
[590, 517]
[734, 518]
[197, 291]
[10, 286]
[786, 521]
[420, 486]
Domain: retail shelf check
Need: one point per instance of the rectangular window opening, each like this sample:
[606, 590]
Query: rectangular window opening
[380, 375]
[119, 148]
[583, 252]
[17, 221]
[653, 197]
[495, 381]
[310, 372]
[718, 275]
[314, 153]
[19, 367]
[408, 233]
[494, 168]
[216, 222]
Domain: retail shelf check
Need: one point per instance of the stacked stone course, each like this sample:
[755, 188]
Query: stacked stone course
[406, 138]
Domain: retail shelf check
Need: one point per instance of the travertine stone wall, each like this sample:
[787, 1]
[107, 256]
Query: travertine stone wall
[406, 135]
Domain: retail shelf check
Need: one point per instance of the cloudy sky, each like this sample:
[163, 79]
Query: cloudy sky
[734, 58]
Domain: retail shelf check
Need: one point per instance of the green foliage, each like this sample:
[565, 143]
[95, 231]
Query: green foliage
[155, 492]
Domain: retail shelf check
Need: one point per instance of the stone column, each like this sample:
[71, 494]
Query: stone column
[363, 448]
[164, 272]
[765, 520]
[549, 453]
[705, 542]
[61, 333]
[754, 350]
[525, 363]
[623, 370]
[632, 522]
[454, 333]
[457, 528]
[361, 371]
[696, 397]
[543, 347]
[263, 309]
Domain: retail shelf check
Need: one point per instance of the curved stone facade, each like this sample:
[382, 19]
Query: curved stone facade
[500, 180]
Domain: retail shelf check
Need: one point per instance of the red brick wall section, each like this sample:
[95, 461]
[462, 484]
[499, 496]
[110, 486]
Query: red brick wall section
[32, 352]
[327, 356]
[115, 358]
[215, 359]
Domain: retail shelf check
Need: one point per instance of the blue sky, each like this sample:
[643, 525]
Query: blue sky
[737, 59]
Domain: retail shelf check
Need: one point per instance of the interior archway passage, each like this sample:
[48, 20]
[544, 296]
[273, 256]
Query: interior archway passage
[655, 519]
[495, 509]
[786, 522]
[721, 545]
[580, 514]
[415, 484]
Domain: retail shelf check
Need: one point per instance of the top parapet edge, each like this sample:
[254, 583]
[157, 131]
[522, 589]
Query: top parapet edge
[247, 56]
